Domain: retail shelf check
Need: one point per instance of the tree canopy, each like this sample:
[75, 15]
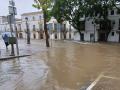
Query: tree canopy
[76, 11]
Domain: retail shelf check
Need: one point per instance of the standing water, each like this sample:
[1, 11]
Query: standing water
[64, 66]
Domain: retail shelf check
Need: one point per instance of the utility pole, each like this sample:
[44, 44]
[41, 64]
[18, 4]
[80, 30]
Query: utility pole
[13, 12]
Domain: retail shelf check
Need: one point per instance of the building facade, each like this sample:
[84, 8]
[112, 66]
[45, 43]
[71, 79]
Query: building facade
[35, 22]
[94, 32]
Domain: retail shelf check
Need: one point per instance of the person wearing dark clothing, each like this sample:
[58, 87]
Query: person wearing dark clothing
[6, 39]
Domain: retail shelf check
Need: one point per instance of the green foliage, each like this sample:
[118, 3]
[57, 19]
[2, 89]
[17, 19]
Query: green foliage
[57, 10]
[44, 5]
[74, 10]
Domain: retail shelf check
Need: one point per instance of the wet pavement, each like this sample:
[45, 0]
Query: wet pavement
[64, 66]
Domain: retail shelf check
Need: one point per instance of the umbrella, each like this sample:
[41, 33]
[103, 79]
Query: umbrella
[8, 34]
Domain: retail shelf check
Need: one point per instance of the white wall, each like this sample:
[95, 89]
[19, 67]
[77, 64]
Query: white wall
[77, 36]
[114, 38]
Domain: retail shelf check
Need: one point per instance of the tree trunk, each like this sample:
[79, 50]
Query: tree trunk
[119, 37]
[28, 34]
[61, 31]
[45, 29]
[80, 35]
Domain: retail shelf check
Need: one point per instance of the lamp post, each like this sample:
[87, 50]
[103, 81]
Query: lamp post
[13, 12]
[28, 31]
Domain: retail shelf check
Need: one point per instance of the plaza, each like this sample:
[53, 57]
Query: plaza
[65, 66]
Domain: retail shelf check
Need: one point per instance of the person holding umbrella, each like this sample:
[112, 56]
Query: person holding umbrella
[6, 39]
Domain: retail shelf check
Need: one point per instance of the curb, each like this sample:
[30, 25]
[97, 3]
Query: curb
[12, 57]
[85, 43]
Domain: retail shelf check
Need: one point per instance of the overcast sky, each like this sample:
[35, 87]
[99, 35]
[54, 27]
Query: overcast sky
[23, 6]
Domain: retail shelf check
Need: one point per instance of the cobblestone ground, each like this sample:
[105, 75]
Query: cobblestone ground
[64, 66]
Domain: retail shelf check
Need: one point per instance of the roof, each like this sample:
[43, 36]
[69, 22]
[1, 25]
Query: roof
[31, 13]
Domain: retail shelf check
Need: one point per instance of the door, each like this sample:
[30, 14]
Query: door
[82, 37]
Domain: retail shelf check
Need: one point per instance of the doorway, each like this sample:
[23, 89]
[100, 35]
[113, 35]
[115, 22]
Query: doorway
[82, 37]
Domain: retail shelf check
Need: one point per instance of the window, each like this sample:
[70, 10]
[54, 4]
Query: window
[118, 11]
[55, 26]
[40, 26]
[26, 18]
[40, 17]
[19, 26]
[119, 22]
[33, 27]
[92, 37]
[113, 33]
[113, 22]
[112, 12]
[33, 18]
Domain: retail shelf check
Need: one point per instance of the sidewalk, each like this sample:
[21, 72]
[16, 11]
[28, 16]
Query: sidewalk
[24, 49]
[79, 42]
[5, 55]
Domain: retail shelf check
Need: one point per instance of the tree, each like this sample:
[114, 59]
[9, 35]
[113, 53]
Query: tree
[74, 11]
[44, 5]
[57, 12]
[101, 7]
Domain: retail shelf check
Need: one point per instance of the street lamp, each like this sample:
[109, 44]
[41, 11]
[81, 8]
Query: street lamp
[28, 31]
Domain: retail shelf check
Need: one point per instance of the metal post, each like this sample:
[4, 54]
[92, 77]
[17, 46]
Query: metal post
[16, 35]
[12, 11]
[11, 30]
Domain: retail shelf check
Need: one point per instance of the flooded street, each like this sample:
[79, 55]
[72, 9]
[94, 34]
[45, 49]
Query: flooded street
[64, 66]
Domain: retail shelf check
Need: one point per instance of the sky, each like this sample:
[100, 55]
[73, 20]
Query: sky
[23, 6]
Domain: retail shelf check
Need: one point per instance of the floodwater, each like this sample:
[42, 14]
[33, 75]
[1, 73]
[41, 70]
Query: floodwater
[64, 66]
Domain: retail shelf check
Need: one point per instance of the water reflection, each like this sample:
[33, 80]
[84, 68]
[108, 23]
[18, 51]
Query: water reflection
[23, 74]
[65, 66]
[73, 66]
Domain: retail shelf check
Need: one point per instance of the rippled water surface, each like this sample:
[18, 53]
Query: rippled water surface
[64, 66]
